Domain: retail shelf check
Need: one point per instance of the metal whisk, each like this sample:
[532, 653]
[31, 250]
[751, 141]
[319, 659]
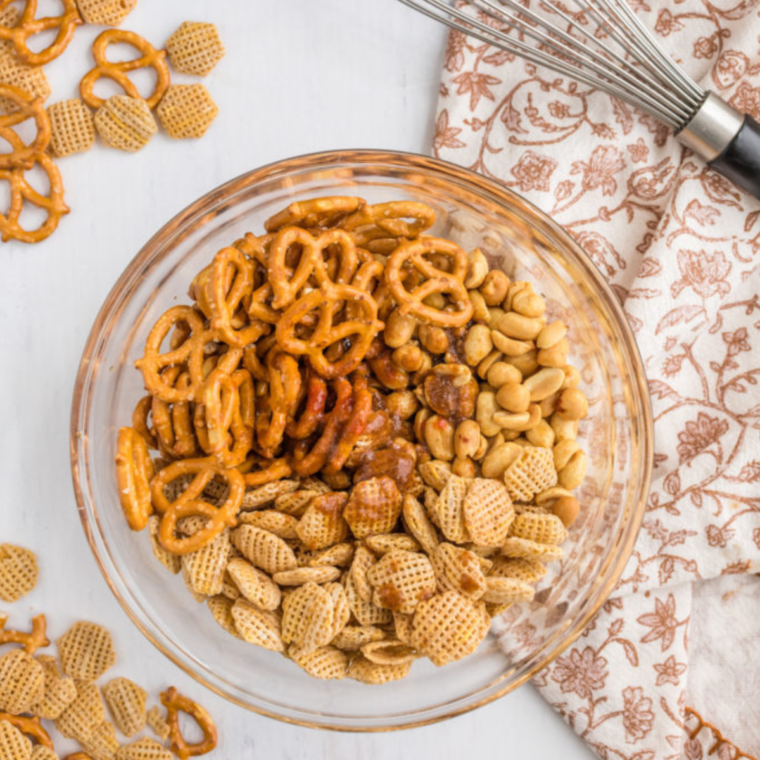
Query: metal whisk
[602, 43]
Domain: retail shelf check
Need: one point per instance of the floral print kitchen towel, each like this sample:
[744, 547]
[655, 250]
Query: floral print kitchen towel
[671, 667]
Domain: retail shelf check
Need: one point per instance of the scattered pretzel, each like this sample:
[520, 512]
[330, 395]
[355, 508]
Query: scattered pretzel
[134, 469]
[413, 253]
[22, 192]
[149, 58]
[28, 107]
[175, 702]
[30, 727]
[28, 26]
[32, 641]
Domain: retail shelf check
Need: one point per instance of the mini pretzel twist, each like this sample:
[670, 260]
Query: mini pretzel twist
[30, 727]
[275, 410]
[388, 220]
[134, 470]
[314, 410]
[22, 192]
[317, 212]
[412, 253]
[172, 423]
[190, 503]
[140, 421]
[276, 469]
[150, 58]
[28, 107]
[32, 641]
[28, 26]
[174, 702]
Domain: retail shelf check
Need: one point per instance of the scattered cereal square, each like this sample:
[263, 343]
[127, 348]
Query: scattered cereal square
[72, 126]
[195, 48]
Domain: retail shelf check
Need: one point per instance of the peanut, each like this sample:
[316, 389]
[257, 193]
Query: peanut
[544, 383]
[572, 474]
[549, 404]
[494, 315]
[477, 344]
[510, 346]
[434, 339]
[541, 435]
[563, 451]
[499, 458]
[511, 420]
[439, 437]
[408, 357]
[482, 449]
[485, 410]
[467, 438]
[528, 303]
[572, 377]
[480, 311]
[399, 329]
[512, 291]
[419, 422]
[487, 363]
[564, 430]
[494, 287]
[477, 269]
[525, 364]
[551, 334]
[550, 495]
[515, 325]
[435, 300]
[514, 397]
[556, 356]
[402, 404]
[567, 509]
[572, 404]
[464, 467]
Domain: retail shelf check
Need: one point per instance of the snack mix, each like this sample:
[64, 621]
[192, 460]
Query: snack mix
[365, 440]
[125, 121]
[63, 690]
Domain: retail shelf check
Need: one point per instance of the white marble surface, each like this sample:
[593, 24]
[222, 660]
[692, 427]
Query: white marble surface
[299, 76]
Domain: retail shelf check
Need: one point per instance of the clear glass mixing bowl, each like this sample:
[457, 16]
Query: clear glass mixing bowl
[617, 435]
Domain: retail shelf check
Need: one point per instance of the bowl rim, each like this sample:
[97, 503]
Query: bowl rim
[411, 161]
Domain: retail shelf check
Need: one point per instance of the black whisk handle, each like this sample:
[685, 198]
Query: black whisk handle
[740, 160]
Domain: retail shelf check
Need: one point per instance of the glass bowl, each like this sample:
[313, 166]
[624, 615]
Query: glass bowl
[617, 435]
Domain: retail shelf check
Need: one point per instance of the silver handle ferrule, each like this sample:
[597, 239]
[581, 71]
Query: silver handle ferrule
[712, 128]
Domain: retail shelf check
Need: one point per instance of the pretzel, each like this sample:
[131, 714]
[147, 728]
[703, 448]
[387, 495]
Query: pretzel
[190, 503]
[386, 220]
[277, 470]
[149, 58]
[32, 641]
[277, 409]
[174, 703]
[22, 191]
[173, 426]
[30, 727]
[134, 469]
[318, 212]
[28, 26]
[412, 253]
[26, 107]
[314, 410]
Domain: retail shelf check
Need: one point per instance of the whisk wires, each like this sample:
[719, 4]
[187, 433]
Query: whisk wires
[600, 43]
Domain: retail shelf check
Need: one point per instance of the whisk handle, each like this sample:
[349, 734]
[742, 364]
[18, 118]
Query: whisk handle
[740, 160]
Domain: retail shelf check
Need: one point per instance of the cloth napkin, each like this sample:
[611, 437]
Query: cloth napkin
[670, 668]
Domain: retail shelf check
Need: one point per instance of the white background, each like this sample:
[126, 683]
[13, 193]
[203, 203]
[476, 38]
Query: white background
[299, 76]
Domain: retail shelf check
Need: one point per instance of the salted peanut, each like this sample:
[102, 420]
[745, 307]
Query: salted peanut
[449, 627]
[363, 670]
[564, 429]
[466, 438]
[127, 702]
[172, 562]
[544, 383]
[144, 749]
[457, 569]
[339, 555]
[125, 123]
[464, 467]
[566, 509]
[485, 365]
[527, 570]
[296, 502]
[477, 269]
[307, 617]
[546, 498]
[271, 520]
[523, 548]
[514, 288]
[365, 612]
[572, 377]
[555, 356]
[195, 48]
[435, 473]
[517, 326]
[477, 344]
[418, 524]
[323, 523]
[221, 610]
[260, 627]
[373, 507]
[401, 580]
[269, 492]
[488, 511]
[18, 572]
[479, 307]
[528, 303]
[511, 420]
[485, 409]
[499, 458]
[420, 419]
[399, 329]
[80, 719]
[186, 111]
[514, 397]
[408, 357]
[572, 404]
[325, 663]
[526, 364]
[435, 301]
[105, 12]
[263, 549]
[353, 637]
[59, 691]
[22, 682]
[532, 472]
[507, 591]
[203, 570]
[102, 743]
[573, 473]
[72, 129]
[510, 346]
[551, 334]
[439, 437]
[433, 338]
[549, 405]
[494, 315]
[256, 586]
[158, 723]
[13, 744]
[383, 543]
[303, 575]
[501, 373]
[494, 287]
[563, 451]
[449, 510]
[541, 435]
[86, 651]
[402, 404]
[543, 529]
[389, 652]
